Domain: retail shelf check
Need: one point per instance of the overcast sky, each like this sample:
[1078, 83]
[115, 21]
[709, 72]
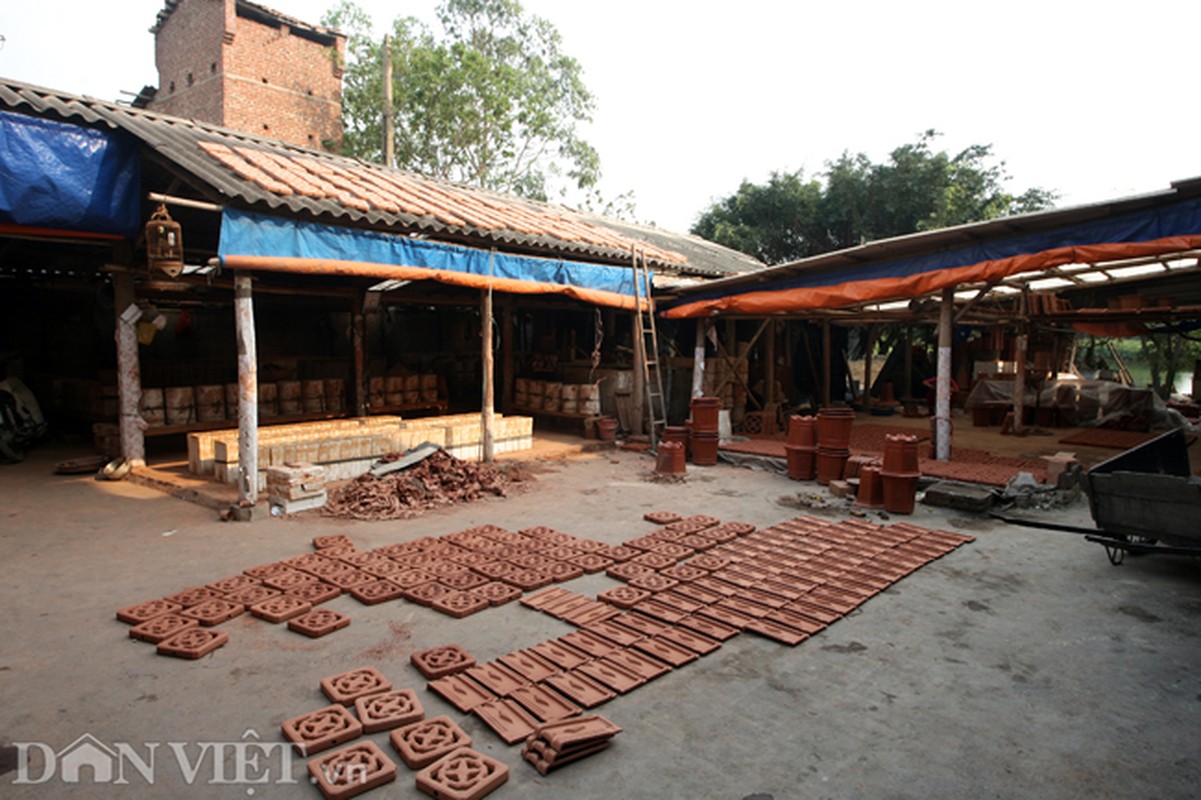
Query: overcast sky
[1094, 101]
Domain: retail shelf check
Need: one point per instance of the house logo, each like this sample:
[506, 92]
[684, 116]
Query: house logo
[88, 760]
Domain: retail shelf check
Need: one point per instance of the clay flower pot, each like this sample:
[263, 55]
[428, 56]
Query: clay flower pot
[802, 431]
[802, 465]
[834, 427]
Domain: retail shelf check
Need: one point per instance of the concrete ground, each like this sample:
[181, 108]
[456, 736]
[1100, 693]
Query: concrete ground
[1021, 665]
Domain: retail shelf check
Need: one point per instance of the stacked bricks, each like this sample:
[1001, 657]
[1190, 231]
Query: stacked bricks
[296, 487]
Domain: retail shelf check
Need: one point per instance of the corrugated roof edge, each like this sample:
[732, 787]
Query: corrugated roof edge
[174, 138]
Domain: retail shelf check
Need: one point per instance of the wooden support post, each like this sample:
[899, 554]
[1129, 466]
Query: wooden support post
[358, 327]
[389, 106]
[867, 367]
[507, 372]
[769, 366]
[129, 371]
[698, 358]
[639, 397]
[1019, 381]
[486, 358]
[827, 351]
[248, 393]
[942, 401]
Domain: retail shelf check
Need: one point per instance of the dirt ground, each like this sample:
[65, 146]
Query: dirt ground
[1022, 664]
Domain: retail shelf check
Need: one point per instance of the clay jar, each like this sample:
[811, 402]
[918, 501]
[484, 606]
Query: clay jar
[704, 447]
[900, 492]
[677, 434]
[830, 464]
[670, 459]
[704, 414]
[802, 463]
[871, 487]
[900, 455]
[834, 428]
[802, 431]
[606, 429]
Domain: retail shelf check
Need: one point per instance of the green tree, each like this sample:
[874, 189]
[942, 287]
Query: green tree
[489, 100]
[917, 189]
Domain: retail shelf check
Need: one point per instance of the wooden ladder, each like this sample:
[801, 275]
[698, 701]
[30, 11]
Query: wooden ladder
[648, 335]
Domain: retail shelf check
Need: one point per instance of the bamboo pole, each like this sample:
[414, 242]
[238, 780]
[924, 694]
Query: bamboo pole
[248, 393]
[942, 401]
[486, 359]
[129, 372]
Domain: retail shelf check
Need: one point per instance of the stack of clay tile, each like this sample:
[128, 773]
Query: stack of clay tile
[557, 743]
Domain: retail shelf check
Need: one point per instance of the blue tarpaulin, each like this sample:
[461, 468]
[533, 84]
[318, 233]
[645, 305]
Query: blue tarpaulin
[263, 242]
[67, 177]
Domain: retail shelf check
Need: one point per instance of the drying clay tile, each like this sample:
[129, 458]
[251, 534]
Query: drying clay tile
[544, 703]
[462, 775]
[666, 651]
[653, 582]
[192, 643]
[563, 605]
[378, 591]
[562, 571]
[561, 655]
[725, 616]
[594, 612]
[679, 602]
[797, 622]
[579, 689]
[618, 634]
[497, 678]
[287, 580]
[744, 607]
[447, 659]
[776, 632]
[683, 572]
[660, 611]
[781, 588]
[763, 598]
[251, 595]
[459, 604]
[318, 622]
[315, 592]
[425, 742]
[654, 560]
[672, 550]
[528, 665]
[332, 540]
[642, 543]
[628, 569]
[696, 542]
[701, 645]
[661, 517]
[640, 623]
[619, 553]
[612, 675]
[736, 578]
[339, 552]
[497, 593]
[347, 687]
[588, 643]
[381, 712]
[571, 735]
[143, 612]
[495, 569]
[233, 584]
[162, 627]
[281, 608]
[410, 578]
[426, 593]
[623, 596]
[714, 585]
[460, 691]
[264, 571]
[540, 600]
[214, 612]
[507, 719]
[591, 563]
[193, 597]
[382, 568]
[352, 770]
[700, 595]
[561, 552]
[530, 561]
[328, 567]
[546, 760]
[637, 663]
[350, 578]
[321, 729]
[527, 579]
[814, 611]
[463, 580]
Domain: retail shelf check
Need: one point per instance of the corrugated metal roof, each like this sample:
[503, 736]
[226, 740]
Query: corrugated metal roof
[267, 174]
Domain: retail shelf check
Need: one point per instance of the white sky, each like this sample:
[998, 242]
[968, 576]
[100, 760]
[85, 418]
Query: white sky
[1094, 100]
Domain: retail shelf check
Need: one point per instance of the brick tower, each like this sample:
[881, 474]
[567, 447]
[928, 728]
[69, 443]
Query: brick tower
[247, 67]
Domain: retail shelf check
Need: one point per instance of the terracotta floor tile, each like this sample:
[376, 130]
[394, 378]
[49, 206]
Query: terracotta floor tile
[281, 608]
[589, 643]
[697, 643]
[462, 775]
[447, 659]
[460, 691]
[776, 632]
[581, 690]
[623, 596]
[143, 612]
[318, 622]
[346, 687]
[162, 627]
[422, 743]
[707, 627]
[618, 634]
[561, 655]
[639, 623]
[381, 712]
[496, 678]
[352, 770]
[529, 665]
[665, 650]
[192, 643]
[611, 675]
[507, 719]
[544, 703]
[321, 729]
[637, 663]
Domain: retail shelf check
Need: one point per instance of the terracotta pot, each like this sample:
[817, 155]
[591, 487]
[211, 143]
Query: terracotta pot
[871, 488]
[899, 493]
[830, 464]
[802, 431]
[801, 462]
[704, 448]
[900, 454]
[677, 434]
[606, 429]
[704, 414]
[670, 459]
[834, 427]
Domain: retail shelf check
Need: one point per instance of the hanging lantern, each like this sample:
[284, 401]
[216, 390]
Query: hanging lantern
[164, 242]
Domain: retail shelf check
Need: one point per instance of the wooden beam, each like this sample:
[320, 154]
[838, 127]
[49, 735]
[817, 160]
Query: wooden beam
[942, 401]
[248, 393]
[486, 360]
[358, 336]
[129, 372]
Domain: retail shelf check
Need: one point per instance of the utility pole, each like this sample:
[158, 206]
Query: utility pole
[389, 139]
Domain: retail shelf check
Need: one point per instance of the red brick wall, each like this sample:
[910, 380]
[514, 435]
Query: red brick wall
[218, 67]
